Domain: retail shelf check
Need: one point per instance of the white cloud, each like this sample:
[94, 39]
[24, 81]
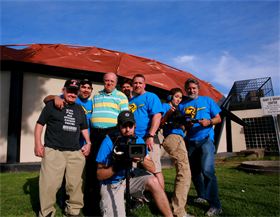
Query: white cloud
[186, 59]
[224, 69]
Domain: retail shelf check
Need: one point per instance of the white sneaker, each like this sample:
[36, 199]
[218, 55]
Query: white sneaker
[200, 200]
[213, 211]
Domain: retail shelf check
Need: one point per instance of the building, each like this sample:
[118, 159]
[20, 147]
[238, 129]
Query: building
[31, 72]
[260, 131]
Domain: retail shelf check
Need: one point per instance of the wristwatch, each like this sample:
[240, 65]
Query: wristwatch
[149, 135]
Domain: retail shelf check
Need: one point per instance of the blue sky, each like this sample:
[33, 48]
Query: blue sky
[217, 41]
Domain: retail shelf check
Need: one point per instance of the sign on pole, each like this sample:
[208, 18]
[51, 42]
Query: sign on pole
[270, 105]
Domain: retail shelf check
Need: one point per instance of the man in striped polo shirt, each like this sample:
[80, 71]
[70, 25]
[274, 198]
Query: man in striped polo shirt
[107, 105]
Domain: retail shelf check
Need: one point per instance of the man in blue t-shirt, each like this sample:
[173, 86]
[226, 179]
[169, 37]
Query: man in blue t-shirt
[111, 169]
[147, 110]
[202, 113]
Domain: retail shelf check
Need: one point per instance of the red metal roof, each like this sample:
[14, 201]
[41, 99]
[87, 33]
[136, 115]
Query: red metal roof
[102, 60]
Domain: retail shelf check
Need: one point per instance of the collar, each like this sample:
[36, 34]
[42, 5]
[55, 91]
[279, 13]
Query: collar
[103, 92]
[191, 99]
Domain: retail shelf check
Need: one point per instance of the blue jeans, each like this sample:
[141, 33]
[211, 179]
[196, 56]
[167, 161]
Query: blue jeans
[202, 163]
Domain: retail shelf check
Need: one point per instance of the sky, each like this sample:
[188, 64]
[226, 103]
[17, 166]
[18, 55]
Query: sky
[220, 41]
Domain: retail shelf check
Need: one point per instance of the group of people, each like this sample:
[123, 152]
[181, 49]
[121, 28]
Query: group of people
[82, 134]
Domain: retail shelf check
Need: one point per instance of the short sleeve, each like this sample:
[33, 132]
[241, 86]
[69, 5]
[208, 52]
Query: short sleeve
[45, 114]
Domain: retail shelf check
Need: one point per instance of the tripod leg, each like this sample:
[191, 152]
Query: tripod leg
[127, 192]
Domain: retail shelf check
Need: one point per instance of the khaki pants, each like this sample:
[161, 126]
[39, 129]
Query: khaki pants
[55, 164]
[112, 195]
[155, 155]
[174, 145]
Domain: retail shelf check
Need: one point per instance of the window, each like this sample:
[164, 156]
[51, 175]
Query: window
[260, 133]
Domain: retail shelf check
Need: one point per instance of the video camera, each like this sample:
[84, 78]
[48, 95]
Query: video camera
[176, 120]
[126, 149]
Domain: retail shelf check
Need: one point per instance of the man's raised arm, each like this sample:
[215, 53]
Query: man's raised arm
[58, 102]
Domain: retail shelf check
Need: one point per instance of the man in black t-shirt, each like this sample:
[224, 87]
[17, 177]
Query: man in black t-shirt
[61, 153]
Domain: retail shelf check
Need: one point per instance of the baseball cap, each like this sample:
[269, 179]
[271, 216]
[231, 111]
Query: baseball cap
[71, 84]
[86, 81]
[126, 116]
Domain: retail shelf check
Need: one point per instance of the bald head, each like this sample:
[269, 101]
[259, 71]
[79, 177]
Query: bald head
[110, 82]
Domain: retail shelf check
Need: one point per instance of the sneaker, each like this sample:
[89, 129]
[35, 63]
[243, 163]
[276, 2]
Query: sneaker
[213, 211]
[200, 200]
[136, 203]
[144, 199]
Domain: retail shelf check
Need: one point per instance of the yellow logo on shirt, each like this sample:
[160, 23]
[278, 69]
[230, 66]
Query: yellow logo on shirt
[190, 111]
[86, 111]
[132, 107]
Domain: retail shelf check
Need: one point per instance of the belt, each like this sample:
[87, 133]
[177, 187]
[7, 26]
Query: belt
[63, 149]
[103, 130]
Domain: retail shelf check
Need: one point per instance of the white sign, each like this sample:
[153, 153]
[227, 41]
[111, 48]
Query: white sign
[270, 105]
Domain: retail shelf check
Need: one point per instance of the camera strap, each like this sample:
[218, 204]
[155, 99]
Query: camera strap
[116, 138]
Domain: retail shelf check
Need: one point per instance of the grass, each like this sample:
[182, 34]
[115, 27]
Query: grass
[241, 193]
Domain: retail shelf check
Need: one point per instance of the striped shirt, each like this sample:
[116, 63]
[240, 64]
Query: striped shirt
[106, 108]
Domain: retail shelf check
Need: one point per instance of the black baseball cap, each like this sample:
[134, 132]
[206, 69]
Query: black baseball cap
[86, 81]
[71, 84]
[125, 117]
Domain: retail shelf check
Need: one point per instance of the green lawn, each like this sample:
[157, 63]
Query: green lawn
[241, 193]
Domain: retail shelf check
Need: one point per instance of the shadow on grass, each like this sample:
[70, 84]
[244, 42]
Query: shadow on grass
[31, 187]
[191, 202]
[152, 205]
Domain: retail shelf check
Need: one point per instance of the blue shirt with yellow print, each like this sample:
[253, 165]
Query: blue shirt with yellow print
[87, 107]
[143, 107]
[199, 108]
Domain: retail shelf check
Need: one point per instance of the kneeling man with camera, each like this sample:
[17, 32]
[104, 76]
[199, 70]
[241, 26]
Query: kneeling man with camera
[115, 157]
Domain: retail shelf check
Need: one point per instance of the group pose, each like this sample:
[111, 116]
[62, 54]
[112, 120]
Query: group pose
[85, 150]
